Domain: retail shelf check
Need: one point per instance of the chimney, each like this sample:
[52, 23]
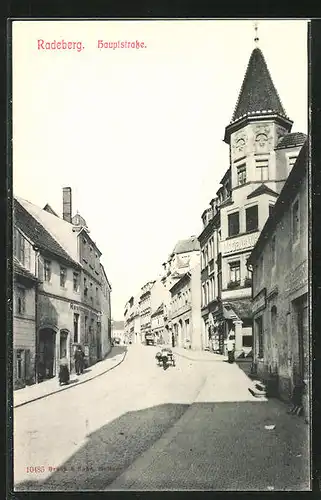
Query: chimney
[66, 204]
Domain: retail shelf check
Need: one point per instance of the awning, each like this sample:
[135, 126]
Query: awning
[228, 312]
[241, 309]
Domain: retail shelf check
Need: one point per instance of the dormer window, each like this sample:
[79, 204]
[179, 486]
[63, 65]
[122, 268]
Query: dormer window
[291, 160]
[241, 175]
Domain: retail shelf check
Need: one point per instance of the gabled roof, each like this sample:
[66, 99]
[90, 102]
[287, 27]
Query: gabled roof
[38, 234]
[258, 93]
[159, 310]
[262, 189]
[22, 271]
[188, 245]
[292, 140]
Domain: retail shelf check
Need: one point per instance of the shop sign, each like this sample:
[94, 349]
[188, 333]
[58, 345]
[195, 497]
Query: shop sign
[259, 301]
[240, 243]
[86, 349]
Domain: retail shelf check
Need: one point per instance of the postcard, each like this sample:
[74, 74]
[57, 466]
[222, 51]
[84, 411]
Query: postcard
[160, 317]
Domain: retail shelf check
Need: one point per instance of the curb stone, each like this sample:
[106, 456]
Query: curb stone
[70, 386]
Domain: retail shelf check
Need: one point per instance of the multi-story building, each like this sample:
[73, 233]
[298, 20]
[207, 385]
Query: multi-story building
[129, 320]
[79, 287]
[184, 257]
[145, 307]
[279, 262]
[118, 331]
[25, 295]
[157, 323]
[105, 333]
[185, 312]
[262, 150]
[58, 286]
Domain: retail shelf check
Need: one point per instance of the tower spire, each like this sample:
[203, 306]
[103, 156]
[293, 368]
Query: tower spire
[256, 38]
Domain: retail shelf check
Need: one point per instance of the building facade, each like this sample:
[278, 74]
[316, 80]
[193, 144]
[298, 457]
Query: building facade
[118, 330]
[74, 293]
[145, 307]
[185, 256]
[57, 288]
[105, 333]
[157, 324]
[185, 311]
[279, 262]
[25, 296]
[261, 152]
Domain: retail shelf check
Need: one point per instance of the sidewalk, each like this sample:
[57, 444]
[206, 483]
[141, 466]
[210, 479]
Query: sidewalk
[38, 391]
[198, 355]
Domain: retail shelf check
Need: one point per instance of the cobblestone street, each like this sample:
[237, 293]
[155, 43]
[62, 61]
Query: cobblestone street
[193, 426]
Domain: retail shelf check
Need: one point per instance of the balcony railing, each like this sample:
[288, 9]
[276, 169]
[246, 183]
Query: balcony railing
[233, 284]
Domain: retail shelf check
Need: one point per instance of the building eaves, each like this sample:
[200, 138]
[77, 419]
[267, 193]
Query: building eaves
[262, 189]
[292, 140]
[37, 233]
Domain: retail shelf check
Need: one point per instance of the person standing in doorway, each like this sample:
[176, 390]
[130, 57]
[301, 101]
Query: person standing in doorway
[230, 348]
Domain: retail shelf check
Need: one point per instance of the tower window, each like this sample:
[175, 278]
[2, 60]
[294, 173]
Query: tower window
[241, 175]
[262, 169]
[252, 218]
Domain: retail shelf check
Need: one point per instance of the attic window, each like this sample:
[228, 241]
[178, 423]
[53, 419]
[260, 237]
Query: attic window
[291, 161]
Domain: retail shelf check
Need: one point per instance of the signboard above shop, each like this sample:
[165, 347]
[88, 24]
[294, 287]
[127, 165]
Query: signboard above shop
[239, 243]
[259, 301]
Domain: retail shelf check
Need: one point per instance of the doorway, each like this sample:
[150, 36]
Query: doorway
[47, 347]
[302, 326]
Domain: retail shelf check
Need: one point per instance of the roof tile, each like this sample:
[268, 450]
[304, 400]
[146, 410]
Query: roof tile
[37, 233]
[258, 93]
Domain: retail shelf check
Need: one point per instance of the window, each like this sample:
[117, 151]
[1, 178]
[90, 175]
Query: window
[291, 161]
[85, 287]
[247, 341]
[20, 364]
[271, 207]
[76, 281]
[76, 323]
[86, 333]
[19, 246]
[208, 291]
[262, 169]
[233, 224]
[47, 270]
[252, 218]
[63, 276]
[259, 332]
[21, 300]
[203, 295]
[241, 175]
[235, 271]
[295, 220]
[273, 250]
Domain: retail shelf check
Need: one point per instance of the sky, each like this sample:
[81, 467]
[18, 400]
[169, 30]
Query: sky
[137, 133]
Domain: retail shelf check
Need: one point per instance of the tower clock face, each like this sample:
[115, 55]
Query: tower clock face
[240, 143]
[261, 139]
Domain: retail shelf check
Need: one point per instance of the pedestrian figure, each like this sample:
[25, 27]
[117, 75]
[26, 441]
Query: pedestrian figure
[79, 360]
[230, 348]
[64, 371]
